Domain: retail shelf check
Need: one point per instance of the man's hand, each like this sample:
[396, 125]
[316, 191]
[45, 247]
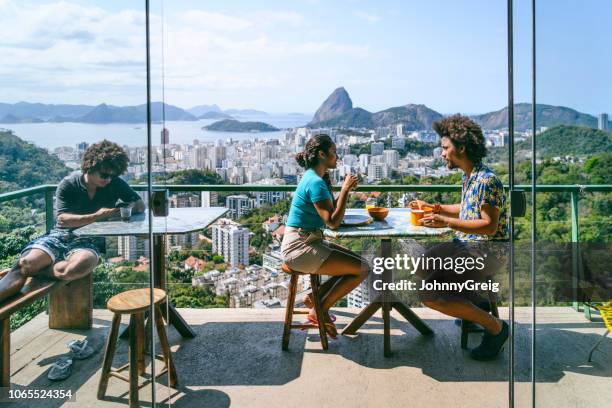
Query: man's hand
[434, 221]
[104, 213]
[414, 205]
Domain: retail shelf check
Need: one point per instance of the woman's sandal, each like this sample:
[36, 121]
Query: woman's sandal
[310, 305]
[330, 327]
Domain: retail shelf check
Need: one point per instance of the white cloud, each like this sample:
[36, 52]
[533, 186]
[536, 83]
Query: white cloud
[66, 49]
[371, 17]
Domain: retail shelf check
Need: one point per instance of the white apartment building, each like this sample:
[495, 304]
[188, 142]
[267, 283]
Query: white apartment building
[131, 248]
[360, 296]
[377, 148]
[239, 205]
[231, 240]
[391, 158]
[209, 198]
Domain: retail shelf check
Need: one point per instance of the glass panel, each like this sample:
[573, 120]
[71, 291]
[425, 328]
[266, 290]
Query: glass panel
[572, 142]
[73, 102]
[237, 59]
[522, 226]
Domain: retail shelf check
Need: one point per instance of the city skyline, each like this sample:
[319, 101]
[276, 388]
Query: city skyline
[288, 58]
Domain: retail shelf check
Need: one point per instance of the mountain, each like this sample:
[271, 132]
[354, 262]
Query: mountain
[338, 111]
[43, 111]
[336, 105]
[24, 112]
[214, 115]
[104, 113]
[201, 109]
[230, 125]
[565, 140]
[11, 119]
[354, 118]
[546, 115]
[412, 116]
[244, 112]
[172, 112]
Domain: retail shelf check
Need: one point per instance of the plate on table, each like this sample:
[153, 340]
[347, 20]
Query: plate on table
[352, 220]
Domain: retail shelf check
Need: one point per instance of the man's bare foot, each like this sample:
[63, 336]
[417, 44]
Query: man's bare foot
[11, 284]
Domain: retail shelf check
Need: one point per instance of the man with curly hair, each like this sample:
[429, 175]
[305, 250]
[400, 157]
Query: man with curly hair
[480, 223]
[82, 197]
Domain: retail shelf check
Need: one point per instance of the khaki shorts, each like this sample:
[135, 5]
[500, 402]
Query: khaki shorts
[304, 250]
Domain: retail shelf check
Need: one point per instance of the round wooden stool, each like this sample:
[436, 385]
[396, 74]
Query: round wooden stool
[289, 310]
[135, 303]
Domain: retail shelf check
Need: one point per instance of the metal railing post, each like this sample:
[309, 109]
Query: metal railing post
[574, 243]
[49, 221]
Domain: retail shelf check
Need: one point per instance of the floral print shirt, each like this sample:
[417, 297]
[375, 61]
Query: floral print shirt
[483, 187]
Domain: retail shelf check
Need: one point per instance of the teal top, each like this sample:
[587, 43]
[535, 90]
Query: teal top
[303, 213]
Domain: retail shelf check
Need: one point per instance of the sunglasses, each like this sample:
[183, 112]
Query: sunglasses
[107, 176]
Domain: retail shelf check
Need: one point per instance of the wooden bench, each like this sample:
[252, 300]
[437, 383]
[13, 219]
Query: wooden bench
[70, 306]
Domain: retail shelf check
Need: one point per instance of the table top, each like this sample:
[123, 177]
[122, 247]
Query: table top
[178, 221]
[396, 225]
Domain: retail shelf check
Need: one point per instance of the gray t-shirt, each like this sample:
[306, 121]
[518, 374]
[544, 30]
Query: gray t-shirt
[72, 198]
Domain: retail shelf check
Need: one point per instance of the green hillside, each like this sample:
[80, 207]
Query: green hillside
[23, 164]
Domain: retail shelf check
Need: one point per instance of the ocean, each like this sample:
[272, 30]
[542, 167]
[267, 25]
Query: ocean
[52, 135]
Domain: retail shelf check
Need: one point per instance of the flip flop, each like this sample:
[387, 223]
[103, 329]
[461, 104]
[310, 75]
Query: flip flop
[80, 350]
[61, 369]
[309, 304]
[330, 328]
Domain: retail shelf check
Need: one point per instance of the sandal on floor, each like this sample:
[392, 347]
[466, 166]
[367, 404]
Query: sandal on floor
[310, 305]
[80, 350]
[330, 328]
[61, 369]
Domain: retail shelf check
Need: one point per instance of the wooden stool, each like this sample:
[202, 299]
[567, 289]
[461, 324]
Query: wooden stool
[135, 303]
[465, 330]
[289, 311]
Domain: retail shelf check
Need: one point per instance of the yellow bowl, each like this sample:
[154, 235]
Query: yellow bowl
[378, 213]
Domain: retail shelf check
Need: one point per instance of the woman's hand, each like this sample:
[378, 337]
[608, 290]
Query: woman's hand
[434, 220]
[349, 183]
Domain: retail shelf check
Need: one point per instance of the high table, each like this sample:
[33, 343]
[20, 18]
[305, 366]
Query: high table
[396, 225]
[178, 221]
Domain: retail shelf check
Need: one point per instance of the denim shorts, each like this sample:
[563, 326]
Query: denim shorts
[60, 244]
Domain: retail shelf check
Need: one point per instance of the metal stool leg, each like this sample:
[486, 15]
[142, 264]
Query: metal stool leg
[314, 283]
[289, 311]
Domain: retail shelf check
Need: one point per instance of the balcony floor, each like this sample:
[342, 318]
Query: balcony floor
[236, 360]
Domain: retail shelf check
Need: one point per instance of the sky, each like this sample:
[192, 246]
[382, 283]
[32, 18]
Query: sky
[281, 56]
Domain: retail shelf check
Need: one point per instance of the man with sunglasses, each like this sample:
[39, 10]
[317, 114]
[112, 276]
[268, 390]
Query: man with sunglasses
[82, 197]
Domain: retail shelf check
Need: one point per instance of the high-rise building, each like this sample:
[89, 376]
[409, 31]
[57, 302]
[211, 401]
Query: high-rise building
[375, 172]
[239, 205]
[602, 121]
[209, 198]
[185, 199]
[165, 136]
[399, 129]
[364, 160]
[360, 296]
[231, 240]
[131, 247]
[377, 148]
[391, 158]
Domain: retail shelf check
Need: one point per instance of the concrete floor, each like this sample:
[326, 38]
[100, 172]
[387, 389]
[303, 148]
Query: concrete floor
[236, 360]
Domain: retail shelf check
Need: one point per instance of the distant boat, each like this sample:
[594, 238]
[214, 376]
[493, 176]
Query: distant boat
[138, 127]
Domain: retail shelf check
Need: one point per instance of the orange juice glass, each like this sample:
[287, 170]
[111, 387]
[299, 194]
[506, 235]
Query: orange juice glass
[415, 216]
